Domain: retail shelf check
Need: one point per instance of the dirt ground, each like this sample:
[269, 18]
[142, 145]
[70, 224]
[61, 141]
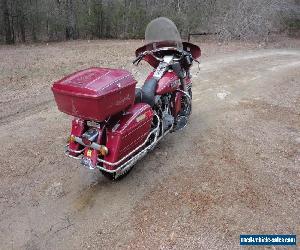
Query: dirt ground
[234, 170]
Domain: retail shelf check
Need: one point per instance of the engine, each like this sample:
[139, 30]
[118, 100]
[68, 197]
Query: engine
[164, 110]
[173, 112]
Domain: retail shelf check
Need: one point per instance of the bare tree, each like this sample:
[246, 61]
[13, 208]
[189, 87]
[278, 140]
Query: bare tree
[9, 36]
[70, 20]
[55, 20]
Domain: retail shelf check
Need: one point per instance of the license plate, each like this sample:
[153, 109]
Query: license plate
[89, 153]
[87, 162]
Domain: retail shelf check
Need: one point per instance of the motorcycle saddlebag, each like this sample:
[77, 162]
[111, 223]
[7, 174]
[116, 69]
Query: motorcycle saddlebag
[129, 132]
[95, 93]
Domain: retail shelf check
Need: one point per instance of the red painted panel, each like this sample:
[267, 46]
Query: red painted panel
[78, 128]
[129, 132]
[95, 93]
[168, 83]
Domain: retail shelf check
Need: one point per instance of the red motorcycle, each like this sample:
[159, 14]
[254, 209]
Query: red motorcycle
[116, 124]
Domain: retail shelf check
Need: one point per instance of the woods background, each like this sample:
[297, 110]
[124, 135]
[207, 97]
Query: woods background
[57, 20]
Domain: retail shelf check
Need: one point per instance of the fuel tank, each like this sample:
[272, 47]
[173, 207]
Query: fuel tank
[168, 83]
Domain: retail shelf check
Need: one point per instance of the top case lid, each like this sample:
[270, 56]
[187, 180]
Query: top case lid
[94, 82]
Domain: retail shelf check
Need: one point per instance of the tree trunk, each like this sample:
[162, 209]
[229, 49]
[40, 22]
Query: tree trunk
[35, 19]
[9, 37]
[22, 28]
[70, 22]
[99, 19]
[21, 22]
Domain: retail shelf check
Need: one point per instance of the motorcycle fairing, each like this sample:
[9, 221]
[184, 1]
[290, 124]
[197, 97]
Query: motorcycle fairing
[188, 47]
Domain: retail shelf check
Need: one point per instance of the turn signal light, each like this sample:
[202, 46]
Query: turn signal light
[71, 138]
[103, 150]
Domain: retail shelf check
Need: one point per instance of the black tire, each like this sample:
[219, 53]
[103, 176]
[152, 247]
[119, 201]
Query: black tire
[109, 176]
[148, 91]
[191, 95]
[112, 176]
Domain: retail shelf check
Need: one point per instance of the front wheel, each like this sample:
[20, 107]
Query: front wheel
[186, 109]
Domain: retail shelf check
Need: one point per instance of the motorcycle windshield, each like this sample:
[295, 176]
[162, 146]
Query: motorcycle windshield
[162, 32]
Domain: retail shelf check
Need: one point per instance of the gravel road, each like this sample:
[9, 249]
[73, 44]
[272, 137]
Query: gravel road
[235, 169]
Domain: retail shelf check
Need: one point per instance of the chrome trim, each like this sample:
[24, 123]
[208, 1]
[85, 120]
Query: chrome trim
[94, 145]
[72, 156]
[73, 151]
[185, 93]
[137, 157]
[126, 165]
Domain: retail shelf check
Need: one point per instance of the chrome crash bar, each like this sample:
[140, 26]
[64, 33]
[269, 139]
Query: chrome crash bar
[129, 162]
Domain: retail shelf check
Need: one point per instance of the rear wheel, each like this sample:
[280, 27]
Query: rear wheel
[114, 176]
[109, 176]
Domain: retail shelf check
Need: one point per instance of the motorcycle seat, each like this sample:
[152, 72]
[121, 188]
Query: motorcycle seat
[138, 95]
[149, 91]
[146, 94]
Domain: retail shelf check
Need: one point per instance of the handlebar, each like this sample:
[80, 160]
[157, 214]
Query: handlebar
[137, 59]
[140, 57]
[151, 52]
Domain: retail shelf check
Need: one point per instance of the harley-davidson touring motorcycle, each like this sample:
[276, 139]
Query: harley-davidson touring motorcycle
[116, 124]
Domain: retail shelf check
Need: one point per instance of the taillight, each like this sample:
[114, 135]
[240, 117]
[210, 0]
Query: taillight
[103, 150]
[71, 138]
[86, 141]
[90, 136]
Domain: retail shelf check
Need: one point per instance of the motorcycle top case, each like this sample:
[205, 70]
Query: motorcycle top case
[95, 93]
